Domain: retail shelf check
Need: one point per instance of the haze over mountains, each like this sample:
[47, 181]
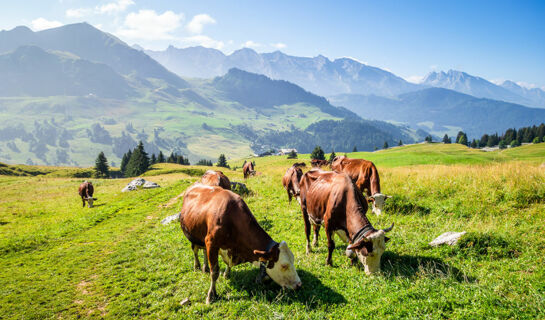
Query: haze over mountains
[70, 92]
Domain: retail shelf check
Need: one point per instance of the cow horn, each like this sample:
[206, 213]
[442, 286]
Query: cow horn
[389, 229]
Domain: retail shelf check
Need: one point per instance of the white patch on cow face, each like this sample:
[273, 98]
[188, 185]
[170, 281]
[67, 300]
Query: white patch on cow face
[90, 202]
[378, 203]
[283, 272]
[371, 262]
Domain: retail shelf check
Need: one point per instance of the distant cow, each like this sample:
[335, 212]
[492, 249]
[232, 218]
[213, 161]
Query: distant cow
[365, 176]
[216, 178]
[248, 169]
[86, 193]
[220, 221]
[290, 181]
[316, 163]
[332, 199]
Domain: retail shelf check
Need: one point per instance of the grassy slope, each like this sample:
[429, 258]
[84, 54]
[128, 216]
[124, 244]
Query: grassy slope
[117, 260]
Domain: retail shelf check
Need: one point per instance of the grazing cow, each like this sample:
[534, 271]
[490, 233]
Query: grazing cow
[365, 176]
[332, 199]
[220, 221]
[316, 163]
[86, 193]
[248, 169]
[290, 181]
[216, 178]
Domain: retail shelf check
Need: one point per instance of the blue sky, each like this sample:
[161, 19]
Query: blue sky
[496, 40]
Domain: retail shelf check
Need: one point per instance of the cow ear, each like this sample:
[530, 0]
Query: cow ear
[370, 199]
[263, 256]
[359, 244]
[386, 239]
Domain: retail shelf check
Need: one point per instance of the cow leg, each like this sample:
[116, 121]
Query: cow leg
[214, 272]
[289, 197]
[316, 231]
[83, 200]
[196, 264]
[307, 230]
[330, 244]
[205, 267]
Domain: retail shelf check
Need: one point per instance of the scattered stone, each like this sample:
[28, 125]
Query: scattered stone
[140, 182]
[185, 302]
[171, 218]
[450, 238]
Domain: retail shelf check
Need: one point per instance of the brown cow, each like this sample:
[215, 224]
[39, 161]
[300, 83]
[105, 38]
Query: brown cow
[332, 199]
[290, 181]
[316, 163]
[248, 169]
[220, 221]
[216, 178]
[85, 191]
[365, 176]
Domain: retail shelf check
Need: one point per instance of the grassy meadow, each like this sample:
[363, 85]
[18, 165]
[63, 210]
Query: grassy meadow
[117, 261]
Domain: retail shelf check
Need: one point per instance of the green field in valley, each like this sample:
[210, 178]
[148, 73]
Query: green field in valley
[117, 260]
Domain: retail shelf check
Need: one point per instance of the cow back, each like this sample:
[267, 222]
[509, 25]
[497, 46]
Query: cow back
[216, 178]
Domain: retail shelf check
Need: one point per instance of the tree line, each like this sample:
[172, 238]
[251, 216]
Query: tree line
[511, 137]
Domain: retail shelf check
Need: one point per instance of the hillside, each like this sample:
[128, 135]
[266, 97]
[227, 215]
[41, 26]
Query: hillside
[441, 111]
[117, 260]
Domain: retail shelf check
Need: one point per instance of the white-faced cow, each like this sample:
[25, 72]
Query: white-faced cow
[86, 193]
[365, 176]
[220, 221]
[332, 199]
[290, 180]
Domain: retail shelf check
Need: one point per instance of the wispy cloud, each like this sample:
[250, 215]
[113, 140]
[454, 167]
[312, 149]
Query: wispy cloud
[202, 40]
[251, 44]
[278, 45]
[198, 22]
[114, 7]
[149, 25]
[42, 24]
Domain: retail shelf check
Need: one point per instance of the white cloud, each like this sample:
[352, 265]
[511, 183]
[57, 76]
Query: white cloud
[113, 7]
[149, 25]
[77, 13]
[198, 22]
[251, 44]
[42, 24]
[415, 79]
[202, 40]
[278, 45]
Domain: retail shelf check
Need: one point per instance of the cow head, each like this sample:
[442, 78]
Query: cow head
[336, 164]
[90, 201]
[378, 200]
[280, 265]
[295, 182]
[369, 249]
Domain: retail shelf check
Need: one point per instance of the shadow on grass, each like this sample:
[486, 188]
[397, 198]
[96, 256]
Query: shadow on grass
[395, 265]
[3, 223]
[403, 205]
[313, 293]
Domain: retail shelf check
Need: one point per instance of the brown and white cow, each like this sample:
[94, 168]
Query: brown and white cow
[85, 191]
[316, 163]
[248, 169]
[220, 221]
[216, 178]
[290, 181]
[365, 176]
[332, 199]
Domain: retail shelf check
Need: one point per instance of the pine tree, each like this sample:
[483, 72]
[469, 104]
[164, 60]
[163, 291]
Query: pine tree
[446, 139]
[101, 166]
[153, 160]
[473, 144]
[292, 154]
[463, 139]
[222, 161]
[355, 149]
[125, 160]
[317, 153]
[460, 134]
[332, 156]
[160, 157]
[429, 139]
[385, 146]
[138, 163]
[400, 143]
[502, 145]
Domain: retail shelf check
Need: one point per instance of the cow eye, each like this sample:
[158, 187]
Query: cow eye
[285, 267]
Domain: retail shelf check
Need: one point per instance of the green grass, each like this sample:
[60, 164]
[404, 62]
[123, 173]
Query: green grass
[116, 260]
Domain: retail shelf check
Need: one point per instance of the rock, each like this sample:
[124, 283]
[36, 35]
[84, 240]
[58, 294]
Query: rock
[171, 218]
[128, 187]
[185, 302]
[150, 185]
[450, 238]
[140, 182]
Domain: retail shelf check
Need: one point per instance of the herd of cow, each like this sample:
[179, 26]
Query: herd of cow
[218, 221]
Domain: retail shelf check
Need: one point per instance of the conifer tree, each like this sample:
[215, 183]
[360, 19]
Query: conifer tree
[446, 139]
[332, 156]
[385, 146]
[101, 166]
[317, 153]
[292, 154]
[153, 159]
[463, 139]
[222, 161]
[125, 160]
[355, 149]
[400, 143]
[160, 157]
[138, 163]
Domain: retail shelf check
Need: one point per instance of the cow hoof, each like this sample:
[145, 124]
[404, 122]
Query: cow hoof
[329, 263]
[211, 297]
[315, 243]
[309, 249]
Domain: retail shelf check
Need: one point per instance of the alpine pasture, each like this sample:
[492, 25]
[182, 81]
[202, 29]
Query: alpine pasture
[118, 261]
